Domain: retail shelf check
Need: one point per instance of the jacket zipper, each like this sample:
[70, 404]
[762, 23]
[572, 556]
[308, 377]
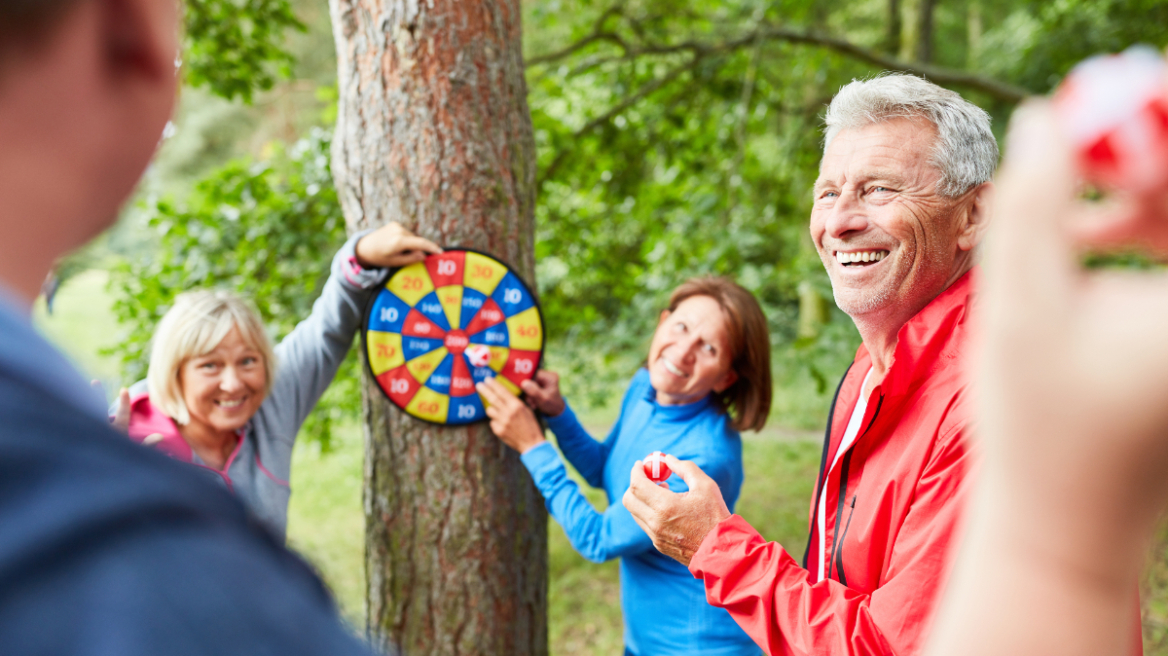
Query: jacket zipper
[845, 469]
[839, 556]
[823, 465]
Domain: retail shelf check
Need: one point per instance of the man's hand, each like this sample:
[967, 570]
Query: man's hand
[512, 421]
[677, 523]
[1072, 381]
[393, 245]
[543, 393]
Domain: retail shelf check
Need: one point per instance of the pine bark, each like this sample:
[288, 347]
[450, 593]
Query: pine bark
[434, 131]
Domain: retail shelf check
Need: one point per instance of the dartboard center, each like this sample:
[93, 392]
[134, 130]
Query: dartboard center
[456, 341]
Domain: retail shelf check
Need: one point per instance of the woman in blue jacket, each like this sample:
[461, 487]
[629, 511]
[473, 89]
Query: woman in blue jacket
[707, 377]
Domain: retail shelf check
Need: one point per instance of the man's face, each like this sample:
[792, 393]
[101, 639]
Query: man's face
[886, 238]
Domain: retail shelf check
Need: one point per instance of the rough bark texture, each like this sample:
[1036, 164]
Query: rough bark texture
[434, 131]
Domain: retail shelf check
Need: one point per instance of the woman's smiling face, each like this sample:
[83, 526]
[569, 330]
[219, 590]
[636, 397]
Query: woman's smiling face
[690, 354]
[224, 388]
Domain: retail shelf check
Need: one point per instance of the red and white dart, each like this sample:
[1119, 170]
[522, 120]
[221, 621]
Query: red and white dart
[1114, 108]
[655, 467]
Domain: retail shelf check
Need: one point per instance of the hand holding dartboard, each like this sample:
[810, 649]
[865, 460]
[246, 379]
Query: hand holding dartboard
[442, 325]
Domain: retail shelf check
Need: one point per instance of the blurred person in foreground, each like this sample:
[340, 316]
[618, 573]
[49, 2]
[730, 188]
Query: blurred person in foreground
[900, 206]
[106, 547]
[1072, 381]
[220, 396]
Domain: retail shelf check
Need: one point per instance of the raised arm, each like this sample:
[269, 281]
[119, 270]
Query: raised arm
[308, 358]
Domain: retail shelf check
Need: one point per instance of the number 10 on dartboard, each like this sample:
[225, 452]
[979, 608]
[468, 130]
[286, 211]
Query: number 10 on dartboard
[439, 327]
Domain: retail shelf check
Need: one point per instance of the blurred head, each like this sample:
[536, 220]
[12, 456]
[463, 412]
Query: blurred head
[212, 363]
[901, 199]
[713, 339]
[86, 88]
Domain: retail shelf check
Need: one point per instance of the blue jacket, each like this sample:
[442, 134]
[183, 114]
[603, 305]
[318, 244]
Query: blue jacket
[107, 548]
[664, 606]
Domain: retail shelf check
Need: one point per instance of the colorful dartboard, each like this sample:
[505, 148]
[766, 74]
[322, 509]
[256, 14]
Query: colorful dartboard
[440, 326]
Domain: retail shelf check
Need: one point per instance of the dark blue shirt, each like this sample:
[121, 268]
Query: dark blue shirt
[108, 548]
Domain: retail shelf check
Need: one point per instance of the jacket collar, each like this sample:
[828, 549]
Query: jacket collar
[926, 342]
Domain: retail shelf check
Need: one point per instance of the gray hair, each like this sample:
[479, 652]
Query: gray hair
[966, 152]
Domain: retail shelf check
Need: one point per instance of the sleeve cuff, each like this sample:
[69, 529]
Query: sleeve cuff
[346, 267]
[540, 459]
[722, 547]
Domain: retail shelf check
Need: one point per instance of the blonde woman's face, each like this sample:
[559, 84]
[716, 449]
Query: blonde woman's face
[690, 353]
[224, 388]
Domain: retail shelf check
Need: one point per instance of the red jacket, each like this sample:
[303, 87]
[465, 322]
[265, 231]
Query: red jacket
[889, 533]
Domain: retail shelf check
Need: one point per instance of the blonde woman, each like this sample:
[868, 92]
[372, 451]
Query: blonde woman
[218, 395]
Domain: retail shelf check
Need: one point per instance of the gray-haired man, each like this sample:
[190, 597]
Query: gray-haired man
[900, 206]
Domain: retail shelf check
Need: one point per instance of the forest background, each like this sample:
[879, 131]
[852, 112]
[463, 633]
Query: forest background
[675, 138]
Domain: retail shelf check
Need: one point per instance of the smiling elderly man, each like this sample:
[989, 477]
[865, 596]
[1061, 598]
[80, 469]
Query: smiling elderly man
[900, 206]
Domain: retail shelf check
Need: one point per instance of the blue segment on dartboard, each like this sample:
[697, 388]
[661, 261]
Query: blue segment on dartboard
[389, 313]
[412, 347]
[496, 335]
[432, 308]
[511, 296]
[472, 302]
[439, 381]
[479, 374]
[465, 409]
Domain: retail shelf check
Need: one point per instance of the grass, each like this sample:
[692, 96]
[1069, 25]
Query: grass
[326, 522]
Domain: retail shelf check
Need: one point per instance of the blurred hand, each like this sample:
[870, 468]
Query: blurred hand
[121, 419]
[1072, 382]
[543, 393]
[393, 245]
[512, 421]
[677, 523]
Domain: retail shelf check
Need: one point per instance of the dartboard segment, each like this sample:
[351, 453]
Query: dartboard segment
[439, 327]
[411, 283]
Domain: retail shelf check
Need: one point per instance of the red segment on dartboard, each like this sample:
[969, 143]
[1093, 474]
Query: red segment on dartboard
[456, 341]
[488, 315]
[446, 269]
[461, 383]
[400, 385]
[520, 366]
[417, 325]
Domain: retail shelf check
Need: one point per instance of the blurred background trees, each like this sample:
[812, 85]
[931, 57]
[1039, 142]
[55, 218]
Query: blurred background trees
[674, 138]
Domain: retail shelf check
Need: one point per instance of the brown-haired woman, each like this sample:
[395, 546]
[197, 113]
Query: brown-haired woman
[707, 377]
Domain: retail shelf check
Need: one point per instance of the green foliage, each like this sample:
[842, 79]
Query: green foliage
[234, 47]
[266, 230]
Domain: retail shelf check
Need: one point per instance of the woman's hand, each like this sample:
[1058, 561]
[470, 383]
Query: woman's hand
[121, 418]
[512, 421]
[393, 245]
[543, 393]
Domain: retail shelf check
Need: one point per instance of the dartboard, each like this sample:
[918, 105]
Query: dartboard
[440, 326]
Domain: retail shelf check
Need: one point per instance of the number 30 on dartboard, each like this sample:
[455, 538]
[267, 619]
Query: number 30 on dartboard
[438, 327]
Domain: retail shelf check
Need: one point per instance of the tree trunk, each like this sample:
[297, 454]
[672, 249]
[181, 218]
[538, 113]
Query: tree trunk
[434, 131]
[892, 37]
[925, 15]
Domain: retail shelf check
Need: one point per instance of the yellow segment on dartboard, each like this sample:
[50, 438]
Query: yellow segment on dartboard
[482, 273]
[385, 351]
[498, 357]
[423, 366]
[506, 383]
[450, 297]
[526, 333]
[411, 283]
[430, 405]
